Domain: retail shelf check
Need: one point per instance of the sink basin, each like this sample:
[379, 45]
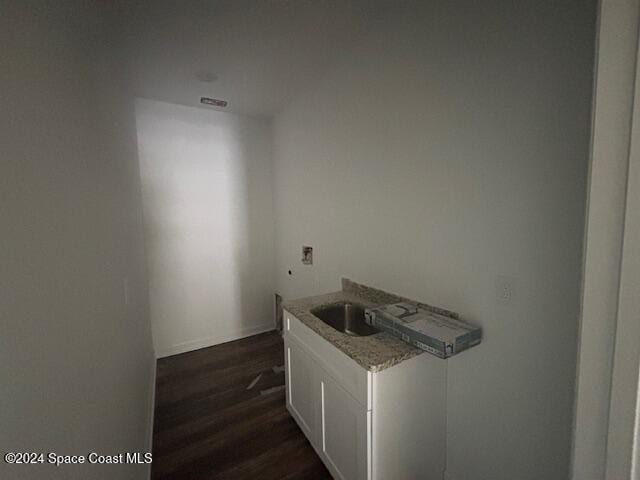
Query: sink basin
[346, 318]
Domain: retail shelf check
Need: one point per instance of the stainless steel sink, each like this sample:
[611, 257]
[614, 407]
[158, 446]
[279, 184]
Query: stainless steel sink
[345, 317]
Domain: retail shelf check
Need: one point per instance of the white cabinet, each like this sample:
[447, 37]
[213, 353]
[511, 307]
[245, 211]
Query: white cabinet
[345, 432]
[364, 425]
[334, 421]
[301, 387]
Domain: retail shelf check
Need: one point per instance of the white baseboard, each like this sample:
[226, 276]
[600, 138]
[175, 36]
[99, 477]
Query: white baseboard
[211, 341]
[152, 408]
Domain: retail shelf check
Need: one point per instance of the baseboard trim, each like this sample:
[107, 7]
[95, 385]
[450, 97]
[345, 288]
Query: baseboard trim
[211, 341]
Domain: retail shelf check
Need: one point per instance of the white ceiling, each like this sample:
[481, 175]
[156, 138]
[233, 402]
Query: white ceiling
[262, 51]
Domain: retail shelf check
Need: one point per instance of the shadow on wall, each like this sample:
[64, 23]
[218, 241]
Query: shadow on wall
[206, 179]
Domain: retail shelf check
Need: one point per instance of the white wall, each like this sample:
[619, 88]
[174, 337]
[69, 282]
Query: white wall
[447, 148]
[76, 359]
[209, 225]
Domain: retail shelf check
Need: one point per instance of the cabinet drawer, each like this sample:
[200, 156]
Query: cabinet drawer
[353, 378]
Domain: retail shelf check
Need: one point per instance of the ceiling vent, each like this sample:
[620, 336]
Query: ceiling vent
[213, 102]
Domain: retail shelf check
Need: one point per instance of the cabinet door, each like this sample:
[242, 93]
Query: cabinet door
[345, 432]
[302, 393]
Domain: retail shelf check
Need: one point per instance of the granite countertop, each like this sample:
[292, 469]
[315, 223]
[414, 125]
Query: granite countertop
[375, 352]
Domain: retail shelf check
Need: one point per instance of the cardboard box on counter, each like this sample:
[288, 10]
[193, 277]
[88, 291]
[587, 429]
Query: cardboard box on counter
[437, 334]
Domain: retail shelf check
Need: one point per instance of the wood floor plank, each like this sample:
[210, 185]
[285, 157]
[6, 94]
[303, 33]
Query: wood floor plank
[209, 426]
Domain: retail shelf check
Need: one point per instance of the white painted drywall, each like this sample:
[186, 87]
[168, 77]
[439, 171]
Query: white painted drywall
[615, 73]
[206, 179]
[449, 147]
[76, 359]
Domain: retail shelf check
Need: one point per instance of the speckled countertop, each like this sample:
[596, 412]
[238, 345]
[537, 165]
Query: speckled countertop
[374, 352]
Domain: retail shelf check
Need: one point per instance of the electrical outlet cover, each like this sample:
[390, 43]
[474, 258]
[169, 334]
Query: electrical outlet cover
[505, 289]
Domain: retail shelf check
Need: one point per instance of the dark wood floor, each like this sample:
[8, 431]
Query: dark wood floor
[209, 426]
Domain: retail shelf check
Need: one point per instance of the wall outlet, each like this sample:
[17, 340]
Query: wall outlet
[505, 289]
